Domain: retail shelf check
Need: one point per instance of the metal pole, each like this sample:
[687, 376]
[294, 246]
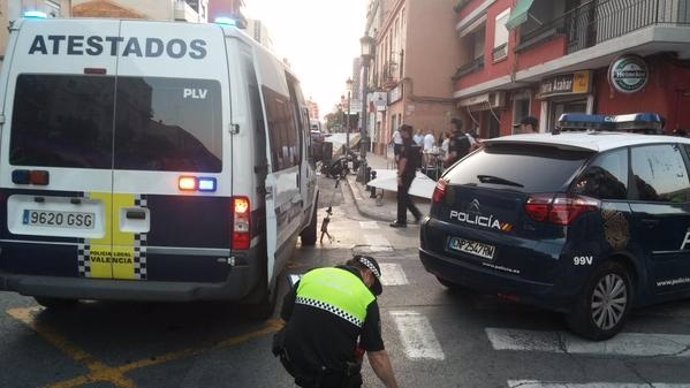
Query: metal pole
[347, 135]
[364, 139]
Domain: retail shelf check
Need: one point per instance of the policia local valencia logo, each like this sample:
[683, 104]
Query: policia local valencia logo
[628, 74]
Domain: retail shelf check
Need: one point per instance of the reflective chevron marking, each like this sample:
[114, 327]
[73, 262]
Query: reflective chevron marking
[392, 275]
[417, 336]
[623, 344]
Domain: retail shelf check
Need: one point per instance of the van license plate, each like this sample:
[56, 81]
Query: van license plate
[58, 219]
[482, 250]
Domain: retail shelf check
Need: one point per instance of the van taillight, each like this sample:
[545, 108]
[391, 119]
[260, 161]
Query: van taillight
[241, 227]
[440, 191]
[559, 209]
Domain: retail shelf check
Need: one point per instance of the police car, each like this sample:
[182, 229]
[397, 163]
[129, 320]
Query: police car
[590, 220]
[149, 161]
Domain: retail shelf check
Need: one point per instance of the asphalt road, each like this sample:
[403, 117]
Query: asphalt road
[436, 338]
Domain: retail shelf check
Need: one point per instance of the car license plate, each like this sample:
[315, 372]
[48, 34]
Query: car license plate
[59, 219]
[475, 248]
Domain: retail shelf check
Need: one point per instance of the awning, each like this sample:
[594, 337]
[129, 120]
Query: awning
[519, 14]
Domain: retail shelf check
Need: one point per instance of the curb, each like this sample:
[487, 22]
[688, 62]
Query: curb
[357, 197]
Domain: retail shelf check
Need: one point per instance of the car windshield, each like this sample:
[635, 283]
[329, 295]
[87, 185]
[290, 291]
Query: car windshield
[523, 167]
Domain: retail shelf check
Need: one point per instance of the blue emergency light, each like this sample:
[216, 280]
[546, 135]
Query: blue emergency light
[635, 122]
[226, 21]
[35, 15]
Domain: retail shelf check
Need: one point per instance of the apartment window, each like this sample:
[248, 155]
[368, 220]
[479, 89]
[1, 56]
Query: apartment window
[479, 43]
[501, 35]
[52, 8]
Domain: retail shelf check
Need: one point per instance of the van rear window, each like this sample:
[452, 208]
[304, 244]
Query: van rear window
[132, 123]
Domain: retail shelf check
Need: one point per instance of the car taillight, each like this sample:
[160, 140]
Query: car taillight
[559, 209]
[241, 227]
[440, 191]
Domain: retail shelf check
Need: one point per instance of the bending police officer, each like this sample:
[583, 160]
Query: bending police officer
[326, 312]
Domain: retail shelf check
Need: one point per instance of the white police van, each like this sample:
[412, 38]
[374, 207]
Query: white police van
[149, 161]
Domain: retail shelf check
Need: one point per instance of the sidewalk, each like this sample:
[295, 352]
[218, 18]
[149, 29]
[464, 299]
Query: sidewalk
[385, 207]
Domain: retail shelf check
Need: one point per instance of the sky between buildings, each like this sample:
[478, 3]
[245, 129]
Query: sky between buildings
[319, 38]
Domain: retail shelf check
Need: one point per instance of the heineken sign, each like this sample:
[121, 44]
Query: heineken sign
[628, 74]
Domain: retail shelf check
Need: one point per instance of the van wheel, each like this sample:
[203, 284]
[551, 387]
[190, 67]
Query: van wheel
[308, 235]
[55, 303]
[602, 308]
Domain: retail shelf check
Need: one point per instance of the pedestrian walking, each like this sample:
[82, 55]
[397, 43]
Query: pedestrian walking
[410, 159]
[327, 311]
[419, 138]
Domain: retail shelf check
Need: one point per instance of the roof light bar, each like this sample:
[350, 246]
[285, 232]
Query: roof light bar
[35, 15]
[226, 21]
[635, 122]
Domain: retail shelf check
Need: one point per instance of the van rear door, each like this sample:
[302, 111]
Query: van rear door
[59, 126]
[172, 105]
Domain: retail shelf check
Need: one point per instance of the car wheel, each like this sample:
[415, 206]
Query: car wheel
[308, 235]
[448, 284]
[55, 303]
[602, 308]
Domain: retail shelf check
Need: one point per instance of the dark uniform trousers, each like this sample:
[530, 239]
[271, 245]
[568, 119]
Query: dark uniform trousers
[404, 200]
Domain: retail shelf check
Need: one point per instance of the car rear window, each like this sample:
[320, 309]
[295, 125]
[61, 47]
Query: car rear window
[522, 167]
[103, 122]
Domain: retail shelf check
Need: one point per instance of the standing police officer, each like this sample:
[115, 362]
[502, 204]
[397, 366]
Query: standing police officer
[460, 143]
[326, 312]
[410, 159]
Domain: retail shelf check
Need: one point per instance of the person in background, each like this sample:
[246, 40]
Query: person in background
[459, 145]
[444, 144]
[419, 138]
[528, 124]
[327, 311]
[410, 159]
[397, 141]
[429, 141]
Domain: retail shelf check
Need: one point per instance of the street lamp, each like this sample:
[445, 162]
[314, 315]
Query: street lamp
[367, 46]
[347, 134]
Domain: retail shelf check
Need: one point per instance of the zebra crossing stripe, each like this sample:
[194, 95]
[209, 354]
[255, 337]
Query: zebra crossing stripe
[378, 243]
[549, 384]
[417, 336]
[623, 344]
[369, 225]
[392, 275]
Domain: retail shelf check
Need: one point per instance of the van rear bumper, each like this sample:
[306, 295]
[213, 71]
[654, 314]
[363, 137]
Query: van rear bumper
[239, 284]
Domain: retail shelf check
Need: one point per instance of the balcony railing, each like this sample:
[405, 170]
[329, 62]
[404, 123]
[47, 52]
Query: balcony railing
[468, 68]
[598, 21]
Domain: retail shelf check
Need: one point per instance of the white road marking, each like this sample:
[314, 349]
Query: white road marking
[392, 275]
[551, 384]
[369, 225]
[378, 243]
[623, 344]
[417, 336]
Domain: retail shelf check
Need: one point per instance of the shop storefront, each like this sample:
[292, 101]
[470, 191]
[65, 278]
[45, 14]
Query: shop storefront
[565, 93]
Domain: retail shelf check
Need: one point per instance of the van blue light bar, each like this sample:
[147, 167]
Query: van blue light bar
[224, 20]
[635, 122]
[35, 15]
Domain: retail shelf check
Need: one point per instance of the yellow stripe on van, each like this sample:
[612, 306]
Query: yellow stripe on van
[99, 250]
[123, 242]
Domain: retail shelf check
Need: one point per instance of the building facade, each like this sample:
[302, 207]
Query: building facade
[13, 9]
[547, 57]
[195, 11]
[409, 78]
[258, 30]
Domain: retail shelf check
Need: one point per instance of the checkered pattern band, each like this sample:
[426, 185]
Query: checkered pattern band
[331, 309]
[370, 265]
[84, 264]
[140, 245]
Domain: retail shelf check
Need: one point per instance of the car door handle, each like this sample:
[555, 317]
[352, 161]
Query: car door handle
[650, 222]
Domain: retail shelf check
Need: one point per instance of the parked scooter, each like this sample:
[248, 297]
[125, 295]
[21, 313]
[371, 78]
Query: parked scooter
[342, 165]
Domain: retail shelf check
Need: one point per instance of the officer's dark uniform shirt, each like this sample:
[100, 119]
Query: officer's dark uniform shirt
[459, 144]
[413, 153]
[317, 337]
